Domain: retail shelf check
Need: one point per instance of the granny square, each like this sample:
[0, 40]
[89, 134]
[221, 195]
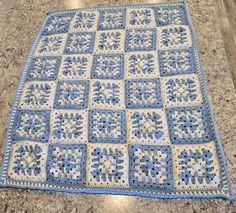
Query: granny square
[66, 164]
[140, 17]
[28, 161]
[107, 94]
[107, 126]
[143, 93]
[107, 165]
[112, 100]
[44, 68]
[58, 24]
[111, 19]
[140, 39]
[74, 67]
[188, 125]
[108, 66]
[37, 95]
[69, 126]
[150, 167]
[181, 90]
[196, 167]
[84, 21]
[81, 42]
[71, 95]
[32, 125]
[141, 65]
[174, 62]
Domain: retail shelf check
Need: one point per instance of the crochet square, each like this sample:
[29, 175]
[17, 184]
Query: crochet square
[108, 66]
[147, 126]
[140, 17]
[141, 65]
[51, 45]
[181, 90]
[58, 24]
[74, 67]
[28, 161]
[71, 95]
[66, 164]
[140, 40]
[110, 41]
[196, 167]
[69, 126]
[174, 62]
[43, 68]
[107, 94]
[168, 15]
[143, 93]
[81, 42]
[150, 167]
[84, 21]
[31, 125]
[111, 19]
[188, 125]
[107, 166]
[174, 37]
[37, 95]
[107, 126]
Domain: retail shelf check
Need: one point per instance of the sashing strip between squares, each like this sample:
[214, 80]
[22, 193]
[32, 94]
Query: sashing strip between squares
[112, 101]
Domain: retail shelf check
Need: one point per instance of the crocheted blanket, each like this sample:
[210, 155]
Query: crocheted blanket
[112, 100]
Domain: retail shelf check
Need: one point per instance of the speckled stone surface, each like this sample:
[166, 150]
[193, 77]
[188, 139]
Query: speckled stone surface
[19, 23]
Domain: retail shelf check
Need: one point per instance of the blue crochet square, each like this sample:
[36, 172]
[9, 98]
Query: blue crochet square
[140, 40]
[167, 15]
[150, 167]
[188, 125]
[31, 125]
[174, 62]
[82, 42]
[58, 24]
[107, 126]
[43, 68]
[66, 164]
[111, 19]
[108, 66]
[71, 95]
[143, 93]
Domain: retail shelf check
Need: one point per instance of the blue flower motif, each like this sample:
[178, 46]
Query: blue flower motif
[140, 17]
[74, 66]
[31, 125]
[147, 125]
[196, 167]
[71, 95]
[111, 19]
[44, 68]
[143, 93]
[66, 164]
[50, 44]
[150, 166]
[84, 20]
[58, 24]
[82, 42]
[107, 126]
[106, 93]
[108, 66]
[67, 125]
[140, 39]
[167, 15]
[107, 164]
[173, 62]
[188, 125]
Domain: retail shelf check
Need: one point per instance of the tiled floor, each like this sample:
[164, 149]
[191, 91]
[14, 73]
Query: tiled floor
[18, 25]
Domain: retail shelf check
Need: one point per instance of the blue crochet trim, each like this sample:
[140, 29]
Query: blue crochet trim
[161, 171]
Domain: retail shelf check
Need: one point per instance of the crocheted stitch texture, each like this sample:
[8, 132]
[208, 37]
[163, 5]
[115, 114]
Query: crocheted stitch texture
[112, 100]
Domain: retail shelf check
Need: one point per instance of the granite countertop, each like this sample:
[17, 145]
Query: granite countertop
[19, 23]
